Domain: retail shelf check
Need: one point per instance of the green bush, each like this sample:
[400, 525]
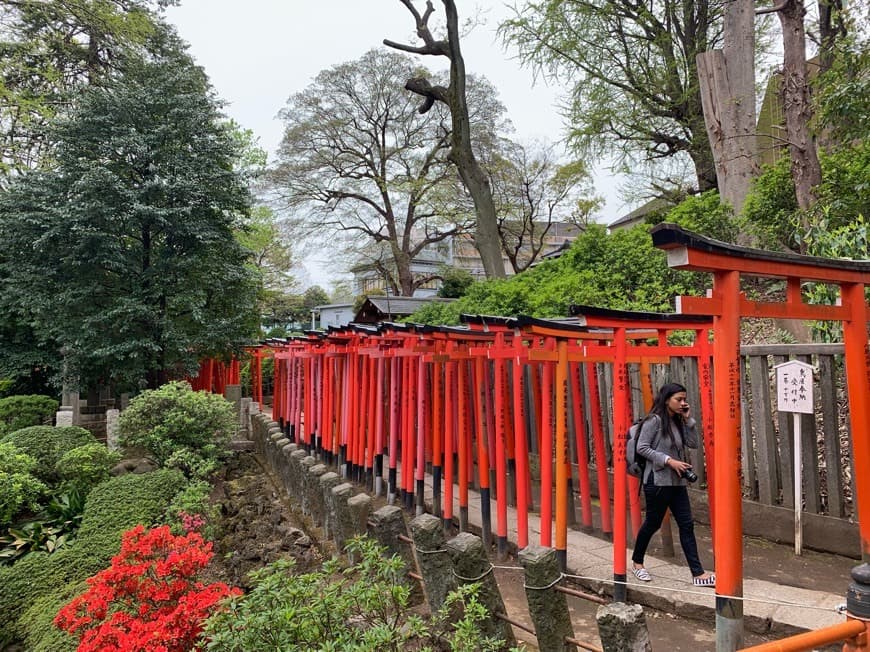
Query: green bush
[193, 500]
[112, 507]
[173, 418]
[361, 607]
[47, 444]
[39, 632]
[621, 270]
[19, 489]
[18, 412]
[84, 467]
[707, 215]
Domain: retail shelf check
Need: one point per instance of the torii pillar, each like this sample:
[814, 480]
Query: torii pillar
[727, 304]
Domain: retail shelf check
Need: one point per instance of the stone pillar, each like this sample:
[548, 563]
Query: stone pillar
[328, 480]
[359, 507]
[622, 628]
[314, 493]
[433, 560]
[64, 416]
[245, 418]
[305, 465]
[472, 565]
[287, 449]
[233, 393]
[548, 608]
[112, 429]
[340, 513]
[386, 526]
[295, 473]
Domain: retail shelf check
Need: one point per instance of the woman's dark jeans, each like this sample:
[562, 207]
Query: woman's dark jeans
[658, 500]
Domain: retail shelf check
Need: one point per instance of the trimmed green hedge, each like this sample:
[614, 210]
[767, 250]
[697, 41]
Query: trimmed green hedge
[24, 410]
[47, 445]
[112, 508]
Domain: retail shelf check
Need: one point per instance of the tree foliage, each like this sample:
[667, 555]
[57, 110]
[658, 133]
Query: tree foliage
[123, 253]
[621, 270]
[50, 52]
[631, 73]
[357, 160]
[536, 194]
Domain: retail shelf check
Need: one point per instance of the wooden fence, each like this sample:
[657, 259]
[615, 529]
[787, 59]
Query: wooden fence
[768, 436]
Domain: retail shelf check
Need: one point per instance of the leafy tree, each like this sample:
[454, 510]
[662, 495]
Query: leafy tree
[123, 253]
[50, 52]
[535, 195]
[631, 73]
[454, 282]
[364, 165]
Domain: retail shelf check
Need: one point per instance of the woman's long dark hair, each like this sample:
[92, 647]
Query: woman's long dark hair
[660, 406]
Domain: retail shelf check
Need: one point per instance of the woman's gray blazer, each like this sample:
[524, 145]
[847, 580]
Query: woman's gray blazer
[657, 447]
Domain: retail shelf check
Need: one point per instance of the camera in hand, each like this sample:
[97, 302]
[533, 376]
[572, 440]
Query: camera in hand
[690, 475]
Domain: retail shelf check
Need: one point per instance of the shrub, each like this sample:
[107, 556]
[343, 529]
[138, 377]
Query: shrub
[191, 502]
[173, 417]
[112, 507]
[46, 445]
[19, 489]
[18, 412]
[149, 598]
[361, 607]
[84, 467]
[40, 634]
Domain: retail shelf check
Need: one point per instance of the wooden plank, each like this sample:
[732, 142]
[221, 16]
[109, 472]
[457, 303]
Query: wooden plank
[765, 436]
[605, 391]
[831, 432]
[791, 349]
[747, 452]
[810, 456]
[786, 448]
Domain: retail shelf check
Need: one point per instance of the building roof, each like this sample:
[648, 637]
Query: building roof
[386, 308]
[638, 215]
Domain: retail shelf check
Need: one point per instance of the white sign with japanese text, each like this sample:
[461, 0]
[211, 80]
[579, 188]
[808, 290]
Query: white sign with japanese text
[794, 387]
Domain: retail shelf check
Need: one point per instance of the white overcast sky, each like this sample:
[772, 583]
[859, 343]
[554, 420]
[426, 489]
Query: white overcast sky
[259, 52]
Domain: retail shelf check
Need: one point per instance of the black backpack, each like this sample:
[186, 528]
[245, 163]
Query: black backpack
[634, 463]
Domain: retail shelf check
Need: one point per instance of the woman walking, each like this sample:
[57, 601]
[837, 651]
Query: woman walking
[664, 434]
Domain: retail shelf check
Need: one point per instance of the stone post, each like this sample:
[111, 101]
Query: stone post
[472, 565]
[295, 473]
[314, 492]
[112, 429]
[328, 480]
[433, 560]
[245, 418]
[548, 608]
[341, 514]
[64, 416]
[283, 470]
[305, 465]
[359, 507]
[233, 393]
[386, 526]
[622, 628]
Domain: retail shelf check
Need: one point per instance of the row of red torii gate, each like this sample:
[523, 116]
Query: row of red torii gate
[472, 405]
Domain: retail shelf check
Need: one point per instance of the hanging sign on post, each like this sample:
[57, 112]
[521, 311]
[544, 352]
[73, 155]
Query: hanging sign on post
[794, 393]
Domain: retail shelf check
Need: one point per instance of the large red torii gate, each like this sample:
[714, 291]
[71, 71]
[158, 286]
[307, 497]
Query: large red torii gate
[727, 304]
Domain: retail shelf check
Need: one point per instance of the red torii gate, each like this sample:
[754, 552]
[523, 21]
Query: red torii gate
[662, 325]
[727, 304]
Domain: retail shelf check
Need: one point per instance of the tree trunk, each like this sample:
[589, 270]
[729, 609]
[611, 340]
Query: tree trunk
[475, 179]
[727, 81]
[805, 169]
